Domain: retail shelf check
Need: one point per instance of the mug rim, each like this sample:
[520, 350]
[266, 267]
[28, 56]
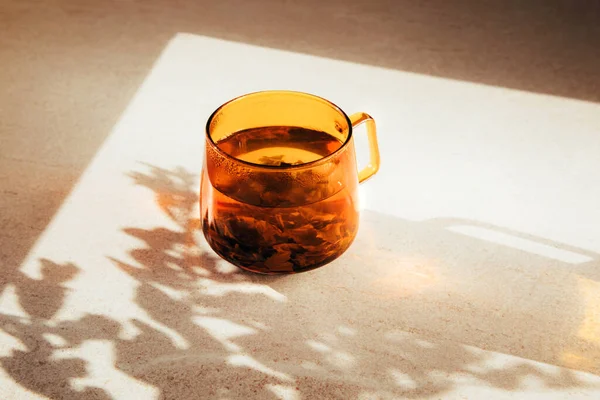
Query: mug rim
[309, 164]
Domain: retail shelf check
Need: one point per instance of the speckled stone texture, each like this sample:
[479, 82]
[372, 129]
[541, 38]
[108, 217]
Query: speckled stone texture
[476, 271]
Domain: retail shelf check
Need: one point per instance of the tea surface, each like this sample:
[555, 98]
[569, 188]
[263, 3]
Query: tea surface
[279, 145]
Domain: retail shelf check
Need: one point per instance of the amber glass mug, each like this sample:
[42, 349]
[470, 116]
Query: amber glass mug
[279, 190]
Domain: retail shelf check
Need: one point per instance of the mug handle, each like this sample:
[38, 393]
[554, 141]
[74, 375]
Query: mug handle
[373, 166]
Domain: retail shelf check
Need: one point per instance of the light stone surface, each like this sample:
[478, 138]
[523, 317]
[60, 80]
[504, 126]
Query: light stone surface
[476, 272]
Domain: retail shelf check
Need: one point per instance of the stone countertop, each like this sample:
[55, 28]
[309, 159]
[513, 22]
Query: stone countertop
[476, 272]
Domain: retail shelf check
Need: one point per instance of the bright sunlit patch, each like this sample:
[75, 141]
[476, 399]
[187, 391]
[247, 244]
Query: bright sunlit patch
[99, 358]
[172, 265]
[203, 310]
[176, 338]
[341, 359]
[362, 198]
[403, 380]
[214, 288]
[174, 294]
[54, 340]
[225, 268]
[259, 325]
[223, 330]
[129, 331]
[173, 253]
[346, 331]
[200, 271]
[243, 360]
[521, 244]
[424, 343]
[10, 344]
[309, 365]
[318, 346]
[284, 392]
[10, 301]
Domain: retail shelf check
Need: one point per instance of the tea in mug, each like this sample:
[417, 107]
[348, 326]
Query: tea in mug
[283, 230]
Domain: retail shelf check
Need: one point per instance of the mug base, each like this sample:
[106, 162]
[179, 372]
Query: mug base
[273, 269]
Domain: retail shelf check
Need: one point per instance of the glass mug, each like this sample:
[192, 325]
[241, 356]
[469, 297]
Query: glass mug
[279, 186]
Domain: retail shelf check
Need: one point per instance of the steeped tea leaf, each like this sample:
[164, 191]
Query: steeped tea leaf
[271, 160]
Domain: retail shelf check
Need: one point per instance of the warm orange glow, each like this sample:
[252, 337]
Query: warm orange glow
[577, 361]
[407, 276]
[589, 329]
